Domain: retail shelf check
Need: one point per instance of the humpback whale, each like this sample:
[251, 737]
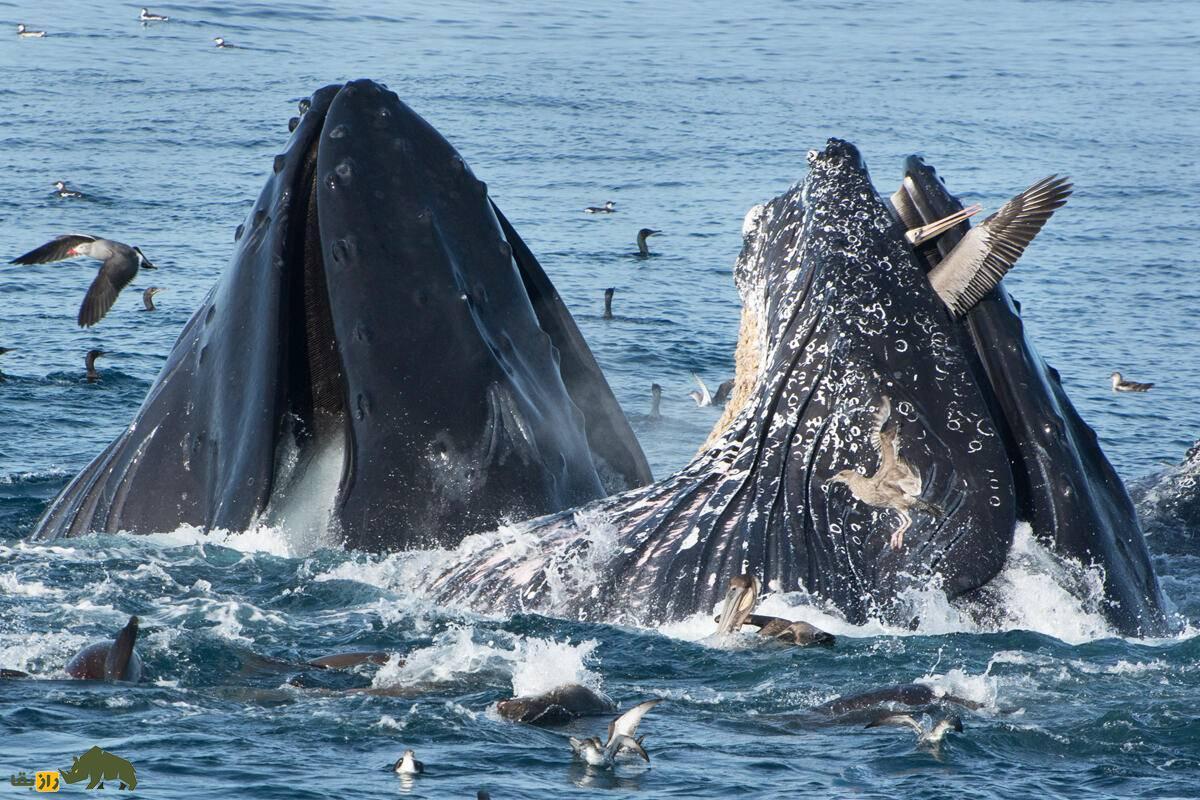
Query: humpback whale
[381, 328]
[840, 323]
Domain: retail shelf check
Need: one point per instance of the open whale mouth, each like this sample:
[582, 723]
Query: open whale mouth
[314, 449]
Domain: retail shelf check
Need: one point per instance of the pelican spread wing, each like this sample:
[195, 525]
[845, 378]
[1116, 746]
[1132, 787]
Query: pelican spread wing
[987, 252]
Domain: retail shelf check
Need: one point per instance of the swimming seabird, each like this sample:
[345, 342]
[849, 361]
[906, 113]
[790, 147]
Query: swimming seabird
[896, 484]
[148, 298]
[740, 601]
[989, 250]
[608, 295]
[930, 737]
[60, 189]
[643, 250]
[222, 43]
[608, 208]
[121, 265]
[655, 400]
[723, 392]
[25, 33]
[146, 16]
[622, 735]
[1119, 384]
[407, 764]
[92, 375]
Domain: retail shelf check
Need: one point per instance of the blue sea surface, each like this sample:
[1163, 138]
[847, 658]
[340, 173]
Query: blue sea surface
[686, 114]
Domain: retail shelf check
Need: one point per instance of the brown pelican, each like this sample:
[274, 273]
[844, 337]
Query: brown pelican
[146, 16]
[608, 295]
[92, 375]
[895, 484]
[1119, 384]
[931, 737]
[655, 401]
[736, 612]
[990, 250]
[643, 234]
[60, 189]
[121, 265]
[25, 33]
[407, 764]
[608, 208]
[148, 298]
[622, 735]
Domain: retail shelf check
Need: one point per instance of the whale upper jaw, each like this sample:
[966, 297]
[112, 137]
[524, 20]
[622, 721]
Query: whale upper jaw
[383, 328]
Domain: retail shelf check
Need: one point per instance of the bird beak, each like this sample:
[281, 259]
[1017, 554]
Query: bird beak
[924, 233]
[739, 602]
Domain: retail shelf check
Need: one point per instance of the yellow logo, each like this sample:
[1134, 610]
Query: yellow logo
[42, 781]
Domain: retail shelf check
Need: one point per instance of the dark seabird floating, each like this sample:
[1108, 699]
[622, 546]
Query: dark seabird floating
[1119, 384]
[148, 298]
[608, 296]
[220, 42]
[121, 265]
[740, 602]
[643, 234]
[723, 392]
[928, 737]
[896, 484]
[407, 764]
[25, 33]
[92, 375]
[608, 208]
[975, 266]
[622, 735]
[655, 401]
[146, 16]
[60, 189]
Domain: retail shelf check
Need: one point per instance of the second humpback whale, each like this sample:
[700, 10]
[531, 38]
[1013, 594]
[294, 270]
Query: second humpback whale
[840, 322]
[383, 353]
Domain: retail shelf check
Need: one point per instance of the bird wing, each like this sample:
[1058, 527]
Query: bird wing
[897, 719]
[103, 292]
[57, 249]
[943, 727]
[622, 742]
[878, 423]
[627, 723]
[705, 397]
[986, 253]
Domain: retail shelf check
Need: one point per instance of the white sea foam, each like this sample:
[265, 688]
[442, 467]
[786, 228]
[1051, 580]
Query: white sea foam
[10, 584]
[534, 665]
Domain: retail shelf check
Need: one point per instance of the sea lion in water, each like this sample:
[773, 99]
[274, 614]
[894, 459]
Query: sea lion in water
[736, 612]
[908, 694]
[558, 706]
[109, 661]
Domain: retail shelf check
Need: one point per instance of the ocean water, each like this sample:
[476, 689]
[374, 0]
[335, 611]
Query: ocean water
[685, 114]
